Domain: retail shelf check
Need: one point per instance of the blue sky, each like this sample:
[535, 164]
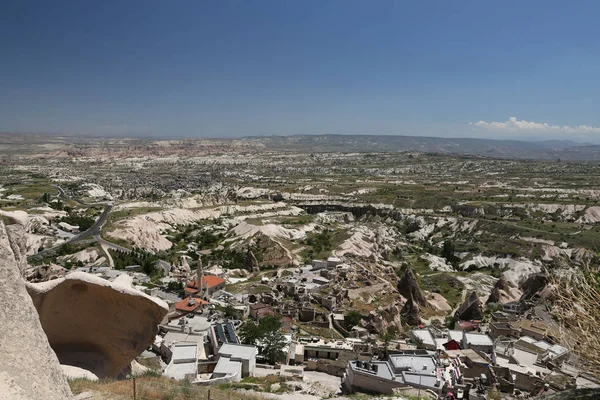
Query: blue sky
[519, 69]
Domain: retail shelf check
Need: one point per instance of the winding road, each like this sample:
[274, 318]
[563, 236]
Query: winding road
[93, 233]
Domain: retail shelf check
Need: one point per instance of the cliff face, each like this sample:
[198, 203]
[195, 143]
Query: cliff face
[29, 369]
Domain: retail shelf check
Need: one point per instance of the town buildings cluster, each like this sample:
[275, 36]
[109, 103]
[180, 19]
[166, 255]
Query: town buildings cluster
[514, 352]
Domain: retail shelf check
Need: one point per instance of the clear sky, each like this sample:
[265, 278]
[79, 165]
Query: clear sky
[521, 69]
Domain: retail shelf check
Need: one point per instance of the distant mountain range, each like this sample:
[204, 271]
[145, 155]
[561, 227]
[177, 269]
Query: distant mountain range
[566, 150]
[544, 150]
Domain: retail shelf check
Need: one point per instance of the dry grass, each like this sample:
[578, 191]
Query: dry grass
[577, 307]
[150, 387]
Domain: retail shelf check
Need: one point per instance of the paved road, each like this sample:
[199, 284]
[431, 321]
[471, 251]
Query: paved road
[165, 266]
[64, 194]
[92, 233]
[111, 245]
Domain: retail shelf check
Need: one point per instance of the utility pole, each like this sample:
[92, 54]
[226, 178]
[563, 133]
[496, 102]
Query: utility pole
[134, 397]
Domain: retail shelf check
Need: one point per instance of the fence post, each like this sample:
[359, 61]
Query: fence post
[134, 398]
[208, 394]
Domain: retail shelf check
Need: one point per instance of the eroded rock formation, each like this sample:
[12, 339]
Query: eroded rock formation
[29, 369]
[533, 284]
[94, 324]
[410, 312]
[496, 294]
[45, 273]
[251, 263]
[471, 309]
[409, 287]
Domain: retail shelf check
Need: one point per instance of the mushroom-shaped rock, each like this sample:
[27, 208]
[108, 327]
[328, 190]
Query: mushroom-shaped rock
[471, 309]
[410, 312]
[94, 324]
[29, 369]
[409, 287]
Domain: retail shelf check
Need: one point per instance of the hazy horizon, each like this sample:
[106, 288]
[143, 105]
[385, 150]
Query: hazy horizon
[235, 69]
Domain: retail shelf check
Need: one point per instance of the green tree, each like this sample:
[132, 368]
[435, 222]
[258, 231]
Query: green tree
[250, 333]
[269, 323]
[272, 346]
[230, 311]
[448, 252]
[450, 321]
[268, 333]
[352, 319]
[387, 336]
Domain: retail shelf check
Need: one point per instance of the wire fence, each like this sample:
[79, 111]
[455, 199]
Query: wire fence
[144, 390]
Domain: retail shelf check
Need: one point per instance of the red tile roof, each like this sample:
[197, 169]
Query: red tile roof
[210, 280]
[184, 305]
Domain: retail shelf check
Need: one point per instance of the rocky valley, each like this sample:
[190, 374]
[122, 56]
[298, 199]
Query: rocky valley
[123, 242]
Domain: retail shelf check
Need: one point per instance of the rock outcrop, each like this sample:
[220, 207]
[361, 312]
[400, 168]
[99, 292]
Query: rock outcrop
[496, 294]
[409, 287]
[94, 324]
[533, 285]
[45, 273]
[29, 369]
[410, 312]
[471, 309]
[251, 263]
[384, 317]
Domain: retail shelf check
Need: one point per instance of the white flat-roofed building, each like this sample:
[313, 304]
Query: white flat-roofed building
[333, 262]
[478, 341]
[228, 368]
[455, 335]
[323, 348]
[402, 370]
[184, 361]
[319, 280]
[411, 363]
[424, 339]
[318, 264]
[236, 360]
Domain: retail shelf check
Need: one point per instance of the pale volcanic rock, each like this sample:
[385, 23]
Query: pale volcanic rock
[72, 372]
[360, 244]
[146, 231]
[515, 270]
[437, 263]
[85, 256]
[591, 215]
[438, 302]
[246, 230]
[94, 324]
[29, 369]
[45, 273]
